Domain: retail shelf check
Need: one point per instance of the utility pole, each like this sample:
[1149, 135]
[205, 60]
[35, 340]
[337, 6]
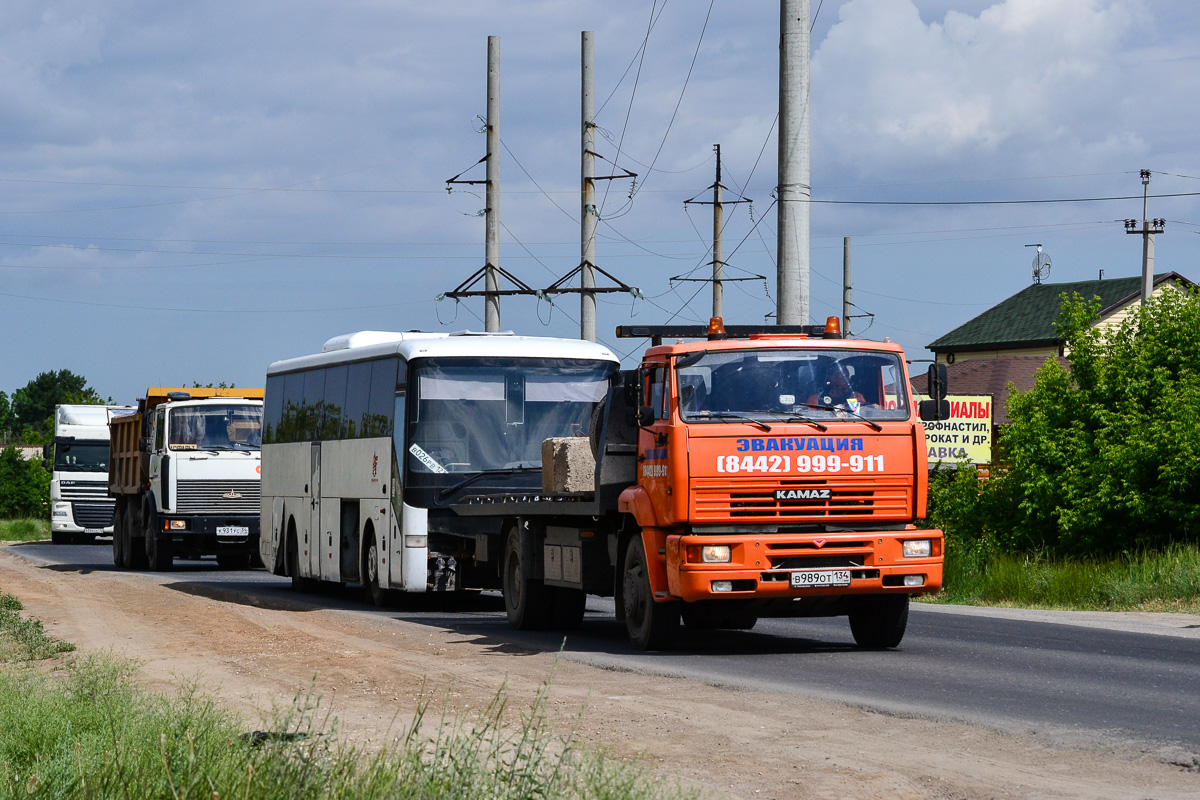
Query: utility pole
[846, 286]
[1149, 228]
[587, 262]
[718, 263]
[491, 308]
[793, 192]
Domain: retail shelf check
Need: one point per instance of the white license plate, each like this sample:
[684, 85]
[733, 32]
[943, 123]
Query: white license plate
[232, 530]
[93, 531]
[821, 577]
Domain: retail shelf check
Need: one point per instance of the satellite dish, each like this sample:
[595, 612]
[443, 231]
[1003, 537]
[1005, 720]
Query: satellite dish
[1041, 264]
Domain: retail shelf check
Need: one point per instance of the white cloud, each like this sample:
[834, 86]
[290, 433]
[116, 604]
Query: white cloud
[891, 87]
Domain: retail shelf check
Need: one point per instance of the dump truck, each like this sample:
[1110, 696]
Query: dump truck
[184, 473]
[77, 457]
[739, 473]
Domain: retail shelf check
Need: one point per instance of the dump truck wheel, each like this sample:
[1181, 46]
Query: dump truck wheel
[119, 558]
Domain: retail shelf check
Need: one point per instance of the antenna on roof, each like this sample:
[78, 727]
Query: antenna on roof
[1041, 263]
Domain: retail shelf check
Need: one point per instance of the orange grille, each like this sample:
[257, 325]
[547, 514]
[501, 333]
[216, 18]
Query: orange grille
[721, 499]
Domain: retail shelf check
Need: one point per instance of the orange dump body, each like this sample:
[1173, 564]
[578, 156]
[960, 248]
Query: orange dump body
[775, 509]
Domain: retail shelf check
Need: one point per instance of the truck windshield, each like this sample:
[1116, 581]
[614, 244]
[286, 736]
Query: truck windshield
[81, 456]
[215, 428]
[476, 414]
[775, 384]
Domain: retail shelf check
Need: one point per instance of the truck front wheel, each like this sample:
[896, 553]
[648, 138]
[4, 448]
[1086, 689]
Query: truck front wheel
[158, 552]
[526, 600]
[651, 625]
[879, 621]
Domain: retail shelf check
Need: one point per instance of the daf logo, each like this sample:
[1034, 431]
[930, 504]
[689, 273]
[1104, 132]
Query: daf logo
[803, 494]
[231, 496]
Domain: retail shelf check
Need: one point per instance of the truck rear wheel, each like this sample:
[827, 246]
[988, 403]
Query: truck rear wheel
[526, 600]
[879, 621]
[651, 625]
[134, 546]
[119, 558]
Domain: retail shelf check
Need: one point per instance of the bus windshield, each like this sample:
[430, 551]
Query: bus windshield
[475, 414]
[215, 427]
[81, 456]
[818, 384]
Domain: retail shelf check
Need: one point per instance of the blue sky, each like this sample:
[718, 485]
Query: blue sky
[190, 191]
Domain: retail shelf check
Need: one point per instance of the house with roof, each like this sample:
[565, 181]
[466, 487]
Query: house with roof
[1009, 342]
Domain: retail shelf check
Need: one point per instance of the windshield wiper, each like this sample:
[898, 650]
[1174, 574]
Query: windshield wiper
[856, 415]
[482, 473]
[792, 416]
[734, 415]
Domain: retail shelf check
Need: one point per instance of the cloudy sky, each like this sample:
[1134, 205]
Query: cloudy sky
[191, 191]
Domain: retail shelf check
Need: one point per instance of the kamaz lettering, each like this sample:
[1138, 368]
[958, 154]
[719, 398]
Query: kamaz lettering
[828, 444]
[803, 494]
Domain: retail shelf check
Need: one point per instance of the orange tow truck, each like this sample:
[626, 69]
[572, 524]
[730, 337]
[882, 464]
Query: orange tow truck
[748, 472]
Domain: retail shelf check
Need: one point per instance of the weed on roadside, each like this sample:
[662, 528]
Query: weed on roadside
[22, 638]
[24, 530]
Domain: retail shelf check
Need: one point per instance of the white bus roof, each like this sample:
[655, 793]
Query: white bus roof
[464, 344]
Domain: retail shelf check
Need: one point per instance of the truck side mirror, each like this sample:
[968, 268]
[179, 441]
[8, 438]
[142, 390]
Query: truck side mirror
[938, 383]
[45, 451]
[645, 416]
[937, 407]
[46, 464]
[144, 444]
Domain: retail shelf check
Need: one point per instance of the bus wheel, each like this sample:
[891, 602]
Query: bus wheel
[526, 600]
[119, 558]
[879, 621]
[567, 607]
[299, 583]
[369, 569]
[651, 625]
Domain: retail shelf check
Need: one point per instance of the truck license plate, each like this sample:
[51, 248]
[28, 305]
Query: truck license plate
[232, 530]
[821, 577]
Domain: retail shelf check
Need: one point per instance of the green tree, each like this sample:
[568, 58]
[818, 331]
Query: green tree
[1106, 457]
[7, 420]
[33, 404]
[24, 486]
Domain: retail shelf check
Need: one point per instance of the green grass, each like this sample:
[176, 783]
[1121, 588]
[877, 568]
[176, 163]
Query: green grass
[87, 730]
[1144, 581]
[24, 530]
[22, 638]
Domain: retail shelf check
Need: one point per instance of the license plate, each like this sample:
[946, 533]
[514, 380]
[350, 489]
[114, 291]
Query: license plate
[822, 577]
[93, 531]
[232, 530]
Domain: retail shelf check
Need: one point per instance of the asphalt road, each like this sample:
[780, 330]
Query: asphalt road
[1076, 678]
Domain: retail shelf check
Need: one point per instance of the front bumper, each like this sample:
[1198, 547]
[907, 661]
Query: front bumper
[204, 534]
[761, 566]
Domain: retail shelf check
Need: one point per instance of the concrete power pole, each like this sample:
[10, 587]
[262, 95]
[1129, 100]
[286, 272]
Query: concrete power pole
[1147, 231]
[846, 286]
[794, 192]
[491, 309]
[587, 244]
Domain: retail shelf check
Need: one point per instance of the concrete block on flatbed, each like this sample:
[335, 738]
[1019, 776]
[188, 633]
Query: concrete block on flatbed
[568, 465]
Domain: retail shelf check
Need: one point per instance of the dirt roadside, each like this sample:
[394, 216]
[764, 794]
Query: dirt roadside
[737, 744]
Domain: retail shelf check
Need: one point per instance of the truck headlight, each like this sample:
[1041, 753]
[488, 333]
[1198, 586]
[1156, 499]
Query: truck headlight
[917, 548]
[176, 525]
[715, 554]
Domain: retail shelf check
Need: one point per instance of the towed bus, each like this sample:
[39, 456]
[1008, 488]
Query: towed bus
[368, 444]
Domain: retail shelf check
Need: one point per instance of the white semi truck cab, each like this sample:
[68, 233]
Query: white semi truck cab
[80, 508]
